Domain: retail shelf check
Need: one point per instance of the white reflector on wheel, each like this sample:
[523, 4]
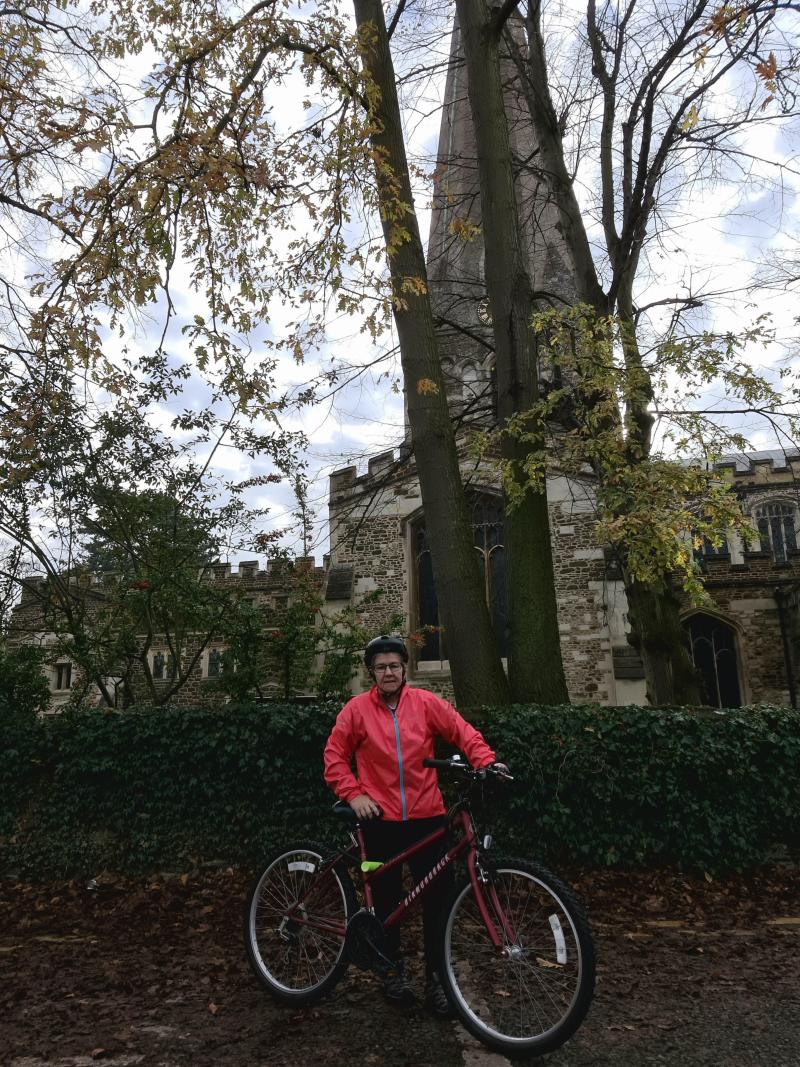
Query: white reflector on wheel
[301, 865]
[558, 934]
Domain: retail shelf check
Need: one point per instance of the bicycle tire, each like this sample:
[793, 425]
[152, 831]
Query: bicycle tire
[298, 963]
[532, 998]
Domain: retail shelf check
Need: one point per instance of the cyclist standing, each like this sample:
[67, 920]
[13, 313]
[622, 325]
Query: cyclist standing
[390, 730]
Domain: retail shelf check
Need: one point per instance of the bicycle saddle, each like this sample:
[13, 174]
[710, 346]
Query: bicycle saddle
[344, 811]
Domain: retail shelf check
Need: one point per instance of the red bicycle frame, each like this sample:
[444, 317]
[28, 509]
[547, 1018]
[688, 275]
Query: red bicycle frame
[481, 886]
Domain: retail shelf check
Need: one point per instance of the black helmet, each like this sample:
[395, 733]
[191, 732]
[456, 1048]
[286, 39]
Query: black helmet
[384, 643]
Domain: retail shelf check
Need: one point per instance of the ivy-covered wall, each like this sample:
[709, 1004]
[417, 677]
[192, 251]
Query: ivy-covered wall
[171, 789]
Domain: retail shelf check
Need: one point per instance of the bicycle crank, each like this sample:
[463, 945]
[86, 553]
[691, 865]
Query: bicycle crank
[365, 943]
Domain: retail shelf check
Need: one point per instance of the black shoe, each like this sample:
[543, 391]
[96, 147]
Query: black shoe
[397, 990]
[436, 999]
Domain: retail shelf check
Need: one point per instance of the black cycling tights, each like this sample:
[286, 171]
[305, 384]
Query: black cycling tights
[386, 839]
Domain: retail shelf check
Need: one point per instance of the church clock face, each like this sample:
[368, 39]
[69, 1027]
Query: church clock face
[484, 314]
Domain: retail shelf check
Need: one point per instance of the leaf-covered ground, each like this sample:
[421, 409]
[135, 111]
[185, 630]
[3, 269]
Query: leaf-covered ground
[152, 972]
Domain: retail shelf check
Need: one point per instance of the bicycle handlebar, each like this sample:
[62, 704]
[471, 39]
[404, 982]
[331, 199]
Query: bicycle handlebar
[455, 763]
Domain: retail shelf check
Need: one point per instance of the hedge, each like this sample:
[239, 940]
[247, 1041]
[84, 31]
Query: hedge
[170, 790]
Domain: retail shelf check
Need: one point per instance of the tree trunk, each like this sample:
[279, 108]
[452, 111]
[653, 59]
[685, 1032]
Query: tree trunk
[535, 669]
[653, 610]
[660, 639]
[475, 664]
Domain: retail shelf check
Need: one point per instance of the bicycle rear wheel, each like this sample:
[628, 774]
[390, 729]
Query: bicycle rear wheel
[295, 923]
[531, 997]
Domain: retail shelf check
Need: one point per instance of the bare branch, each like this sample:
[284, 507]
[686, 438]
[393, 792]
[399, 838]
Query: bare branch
[401, 6]
[501, 15]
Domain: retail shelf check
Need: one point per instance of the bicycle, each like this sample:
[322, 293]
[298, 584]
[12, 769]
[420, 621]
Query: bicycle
[517, 958]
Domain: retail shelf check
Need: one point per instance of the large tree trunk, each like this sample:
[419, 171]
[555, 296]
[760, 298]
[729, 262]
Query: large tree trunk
[660, 639]
[535, 667]
[477, 671]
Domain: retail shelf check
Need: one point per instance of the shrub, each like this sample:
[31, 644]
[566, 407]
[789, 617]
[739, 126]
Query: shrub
[172, 788]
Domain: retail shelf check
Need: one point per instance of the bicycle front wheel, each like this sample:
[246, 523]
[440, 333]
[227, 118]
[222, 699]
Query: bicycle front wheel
[295, 924]
[530, 996]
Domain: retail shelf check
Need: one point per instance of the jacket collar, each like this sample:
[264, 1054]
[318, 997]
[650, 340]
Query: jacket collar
[379, 701]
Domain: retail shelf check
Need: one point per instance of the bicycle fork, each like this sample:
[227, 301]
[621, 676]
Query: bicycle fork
[498, 925]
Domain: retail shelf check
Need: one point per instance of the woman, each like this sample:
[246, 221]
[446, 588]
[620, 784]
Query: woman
[390, 730]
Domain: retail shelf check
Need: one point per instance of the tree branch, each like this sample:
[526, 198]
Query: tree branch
[502, 15]
[396, 18]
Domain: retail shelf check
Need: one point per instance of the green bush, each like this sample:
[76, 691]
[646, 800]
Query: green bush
[632, 786]
[170, 789]
[23, 687]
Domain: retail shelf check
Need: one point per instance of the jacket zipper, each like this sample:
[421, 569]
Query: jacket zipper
[400, 761]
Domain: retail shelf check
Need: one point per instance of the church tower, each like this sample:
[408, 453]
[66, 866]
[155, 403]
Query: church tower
[456, 267]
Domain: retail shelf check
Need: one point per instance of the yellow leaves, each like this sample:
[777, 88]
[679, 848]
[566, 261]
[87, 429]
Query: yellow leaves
[700, 56]
[426, 387]
[464, 229]
[692, 119]
[727, 20]
[411, 285]
[414, 286]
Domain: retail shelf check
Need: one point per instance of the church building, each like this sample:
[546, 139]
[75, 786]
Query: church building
[746, 644]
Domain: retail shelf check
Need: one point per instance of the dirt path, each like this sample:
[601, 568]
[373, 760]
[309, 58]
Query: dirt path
[152, 972]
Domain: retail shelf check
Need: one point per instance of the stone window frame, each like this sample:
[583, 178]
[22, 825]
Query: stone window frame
[707, 550]
[214, 650]
[412, 524]
[790, 510]
[168, 671]
[740, 644]
[62, 673]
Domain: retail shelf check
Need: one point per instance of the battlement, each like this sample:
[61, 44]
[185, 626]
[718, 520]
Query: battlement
[771, 465]
[347, 481]
[274, 570]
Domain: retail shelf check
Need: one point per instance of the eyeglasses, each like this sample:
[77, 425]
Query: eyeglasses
[385, 668]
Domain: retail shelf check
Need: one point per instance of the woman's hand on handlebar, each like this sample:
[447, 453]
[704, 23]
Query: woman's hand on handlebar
[456, 763]
[365, 807]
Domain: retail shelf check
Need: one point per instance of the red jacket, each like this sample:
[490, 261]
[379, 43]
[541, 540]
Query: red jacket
[389, 748]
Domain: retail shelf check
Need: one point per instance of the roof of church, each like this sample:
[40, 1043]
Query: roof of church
[780, 458]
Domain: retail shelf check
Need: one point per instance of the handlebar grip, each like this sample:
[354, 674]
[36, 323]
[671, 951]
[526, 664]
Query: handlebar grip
[436, 763]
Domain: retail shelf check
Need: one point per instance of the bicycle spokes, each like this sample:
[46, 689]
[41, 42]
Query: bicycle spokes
[297, 922]
[528, 987]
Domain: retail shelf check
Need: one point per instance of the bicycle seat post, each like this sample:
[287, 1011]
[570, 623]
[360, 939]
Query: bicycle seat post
[365, 874]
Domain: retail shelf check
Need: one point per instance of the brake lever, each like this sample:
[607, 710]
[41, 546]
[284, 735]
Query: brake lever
[495, 769]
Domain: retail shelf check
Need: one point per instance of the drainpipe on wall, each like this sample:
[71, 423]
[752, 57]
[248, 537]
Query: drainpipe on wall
[781, 599]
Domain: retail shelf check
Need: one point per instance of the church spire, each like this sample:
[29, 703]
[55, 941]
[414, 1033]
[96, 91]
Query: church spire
[455, 247]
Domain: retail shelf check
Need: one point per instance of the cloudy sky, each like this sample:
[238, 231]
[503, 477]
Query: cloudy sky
[725, 232]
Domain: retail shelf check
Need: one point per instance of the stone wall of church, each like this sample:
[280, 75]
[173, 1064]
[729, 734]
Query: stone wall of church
[370, 531]
[744, 596]
[582, 602]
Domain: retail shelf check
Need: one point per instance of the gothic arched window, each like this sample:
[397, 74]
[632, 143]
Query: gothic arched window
[488, 538]
[712, 644]
[777, 528]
